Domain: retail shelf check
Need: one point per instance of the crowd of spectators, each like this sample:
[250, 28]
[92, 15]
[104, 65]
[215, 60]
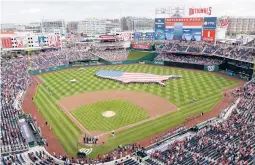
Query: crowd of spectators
[251, 43]
[188, 59]
[112, 55]
[108, 44]
[120, 152]
[229, 142]
[14, 83]
[49, 59]
[243, 53]
[60, 57]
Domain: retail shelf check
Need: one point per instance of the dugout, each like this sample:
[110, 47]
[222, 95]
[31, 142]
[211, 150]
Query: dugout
[240, 69]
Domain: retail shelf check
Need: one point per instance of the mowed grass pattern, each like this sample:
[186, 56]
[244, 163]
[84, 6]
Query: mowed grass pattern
[179, 91]
[203, 85]
[90, 116]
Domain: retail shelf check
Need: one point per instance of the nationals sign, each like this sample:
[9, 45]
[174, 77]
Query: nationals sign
[141, 46]
[53, 40]
[207, 11]
[224, 22]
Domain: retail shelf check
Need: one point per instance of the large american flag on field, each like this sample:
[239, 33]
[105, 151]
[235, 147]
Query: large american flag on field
[128, 77]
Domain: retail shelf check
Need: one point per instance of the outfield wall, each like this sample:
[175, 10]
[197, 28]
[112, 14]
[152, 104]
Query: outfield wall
[209, 68]
[48, 69]
[227, 67]
[148, 57]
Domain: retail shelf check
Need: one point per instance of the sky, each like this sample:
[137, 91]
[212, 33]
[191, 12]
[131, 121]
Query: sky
[25, 11]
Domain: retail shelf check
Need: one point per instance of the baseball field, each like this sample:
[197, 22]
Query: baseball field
[135, 111]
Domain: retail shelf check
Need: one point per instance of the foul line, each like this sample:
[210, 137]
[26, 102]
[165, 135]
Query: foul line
[136, 124]
[153, 118]
[66, 111]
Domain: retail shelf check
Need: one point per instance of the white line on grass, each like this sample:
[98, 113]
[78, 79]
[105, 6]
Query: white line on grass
[70, 115]
[135, 124]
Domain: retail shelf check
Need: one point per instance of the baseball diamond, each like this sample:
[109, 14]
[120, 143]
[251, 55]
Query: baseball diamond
[79, 117]
[127, 89]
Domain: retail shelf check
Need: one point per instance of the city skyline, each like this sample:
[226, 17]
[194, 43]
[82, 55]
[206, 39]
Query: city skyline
[34, 11]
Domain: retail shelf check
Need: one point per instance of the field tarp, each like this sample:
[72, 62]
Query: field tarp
[26, 132]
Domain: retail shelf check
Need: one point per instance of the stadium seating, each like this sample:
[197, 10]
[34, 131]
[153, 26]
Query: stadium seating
[14, 83]
[231, 141]
[188, 59]
[228, 142]
[242, 53]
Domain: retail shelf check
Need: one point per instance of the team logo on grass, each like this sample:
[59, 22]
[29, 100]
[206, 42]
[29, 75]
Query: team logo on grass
[87, 151]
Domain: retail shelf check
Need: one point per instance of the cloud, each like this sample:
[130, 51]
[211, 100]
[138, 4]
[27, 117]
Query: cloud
[75, 10]
[31, 10]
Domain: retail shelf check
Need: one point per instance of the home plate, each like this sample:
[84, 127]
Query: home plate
[108, 114]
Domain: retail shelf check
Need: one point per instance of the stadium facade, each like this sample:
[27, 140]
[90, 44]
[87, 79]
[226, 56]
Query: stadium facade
[53, 26]
[94, 27]
[244, 25]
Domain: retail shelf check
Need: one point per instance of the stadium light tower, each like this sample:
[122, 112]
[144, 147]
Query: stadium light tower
[176, 11]
[170, 12]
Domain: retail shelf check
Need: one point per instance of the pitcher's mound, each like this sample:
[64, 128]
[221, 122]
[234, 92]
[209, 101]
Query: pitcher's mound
[108, 114]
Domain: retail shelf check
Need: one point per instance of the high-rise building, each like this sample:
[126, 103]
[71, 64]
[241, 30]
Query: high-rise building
[72, 26]
[142, 24]
[92, 27]
[112, 24]
[53, 26]
[243, 25]
[136, 23]
[123, 24]
[34, 27]
[8, 27]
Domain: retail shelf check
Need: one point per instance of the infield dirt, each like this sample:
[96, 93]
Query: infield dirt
[154, 105]
[54, 145]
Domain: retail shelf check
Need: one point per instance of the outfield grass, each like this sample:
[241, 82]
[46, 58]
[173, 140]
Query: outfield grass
[136, 55]
[90, 116]
[203, 85]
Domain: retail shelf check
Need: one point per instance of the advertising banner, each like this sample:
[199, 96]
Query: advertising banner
[6, 43]
[125, 36]
[41, 40]
[211, 68]
[223, 22]
[157, 62]
[141, 46]
[210, 22]
[48, 69]
[35, 41]
[138, 36]
[54, 40]
[19, 42]
[149, 35]
[25, 42]
[159, 46]
[209, 35]
[116, 62]
[107, 37]
[184, 29]
[159, 28]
